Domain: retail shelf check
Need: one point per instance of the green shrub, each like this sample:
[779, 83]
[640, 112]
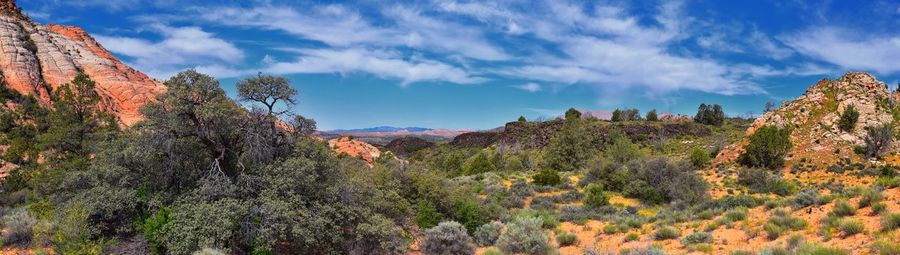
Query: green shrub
[524, 235]
[566, 239]
[479, 164]
[699, 157]
[487, 234]
[842, 208]
[767, 147]
[805, 198]
[710, 115]
[611, 229]
[815, 249]
[781, 221]
[595, 196]
[890, 222]
[632, 237]
[736, 214]
[492, 251]
[448, 237]
[878, 208]
[696, 238]
[18, 226]
[209, 251]
[848, 119]
[741, 252]
[427, 216]
[878, 140]
[666, 233]
[868, 197]
[885, 247]
[851, 227]
[651, 115]
[152, 228]
[547, 177]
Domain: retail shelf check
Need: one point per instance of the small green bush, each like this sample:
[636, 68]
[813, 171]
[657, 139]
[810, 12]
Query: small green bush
[632, 237]
[869, 197]
[524, 235]
[566, 239]
[848, 119]
[878, 208]
[666, 233]
[767, 147]
[696, 238]
[547, 177]
[448, 237]
[595, 196]
[611, 229]
[842, 208]
[487, 234]
[18, 224]
[805, 198]
[890, 222]
[851, 227]
[492, 251]
[699, 157]
[815, 249]
[885, 247]
[736, 214]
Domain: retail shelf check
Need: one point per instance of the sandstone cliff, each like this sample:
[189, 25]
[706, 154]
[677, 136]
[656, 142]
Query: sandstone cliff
[35, 59]
[814, 116]
[355, 148]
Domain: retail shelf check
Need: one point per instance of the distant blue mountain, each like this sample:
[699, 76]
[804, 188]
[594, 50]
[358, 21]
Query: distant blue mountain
[380, 129]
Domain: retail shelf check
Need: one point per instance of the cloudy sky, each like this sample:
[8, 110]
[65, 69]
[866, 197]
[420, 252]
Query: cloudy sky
[478, 64]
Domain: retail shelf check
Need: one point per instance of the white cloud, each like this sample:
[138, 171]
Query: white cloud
[180, 47]
[847, 49]
[530, 87]
[381, 63]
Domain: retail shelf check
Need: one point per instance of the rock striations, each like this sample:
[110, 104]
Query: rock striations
[36, 59]
[813, 118]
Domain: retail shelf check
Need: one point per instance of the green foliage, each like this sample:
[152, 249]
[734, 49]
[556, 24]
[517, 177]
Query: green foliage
[487, 234]
[194, 225]
[595, 196]
[573, 114]
[878, 140]
[851, 227]
[619, 148]
[886, 247]
[710, 115]
[626, 115]
[479, 164]
[569, 148]
[890, 222]
[815, 249]
[267, 90]
[697, 238]
[762, 181]
[566, 239]
[152, 228]
[736, 214]
[522, 119]
[447, 238]
[782, 221]
[699, 157]
[651, 115]
[666, 233]
[632, 237]
[869, 196]
[767, 147]
[848, 119]
[17, 225]
[524, 235]
[842, 208]
[547, 177]
[426, 215]
[379, 235]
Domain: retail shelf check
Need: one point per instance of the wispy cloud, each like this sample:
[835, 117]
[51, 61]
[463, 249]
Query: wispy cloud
[849, 49]
[384, 64]
[180, 47]
[530, 87]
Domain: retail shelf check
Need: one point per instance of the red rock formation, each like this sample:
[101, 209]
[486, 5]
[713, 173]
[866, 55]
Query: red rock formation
[355, 148]
[36, 59]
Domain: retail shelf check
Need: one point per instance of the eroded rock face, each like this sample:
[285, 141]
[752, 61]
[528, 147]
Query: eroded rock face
[35, 59]
[813, 117]
[355, 148]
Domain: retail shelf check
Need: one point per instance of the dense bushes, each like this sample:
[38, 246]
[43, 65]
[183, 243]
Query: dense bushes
[524, 235]
[878, 140]
[18, 224]
[487, 234]
[848, 119]
[447, 238]
[699, 157]
[595, 196]
[710, 115]
[762, 181]
[547, 177]
[569, 148]
[767, 147]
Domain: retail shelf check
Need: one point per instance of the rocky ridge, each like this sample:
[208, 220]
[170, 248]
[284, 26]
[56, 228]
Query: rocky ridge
[813, 118]
[355, 148]
[36, 59]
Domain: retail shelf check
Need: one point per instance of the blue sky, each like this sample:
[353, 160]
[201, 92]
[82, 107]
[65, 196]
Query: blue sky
[478, 64]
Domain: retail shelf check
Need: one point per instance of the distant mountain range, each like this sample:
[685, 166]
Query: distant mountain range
[384, 134]
[380, 129]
